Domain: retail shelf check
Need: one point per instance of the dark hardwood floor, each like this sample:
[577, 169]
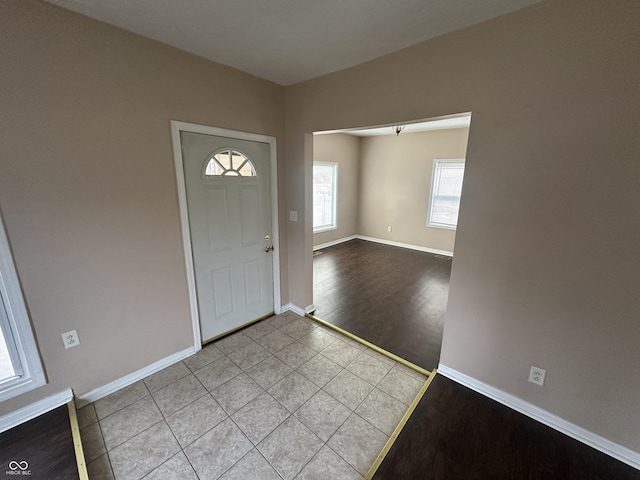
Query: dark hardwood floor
[456, 433]
[393, 297]
[45, 444]
[396, 298]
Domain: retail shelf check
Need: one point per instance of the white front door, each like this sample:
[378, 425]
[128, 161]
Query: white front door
[229, 204]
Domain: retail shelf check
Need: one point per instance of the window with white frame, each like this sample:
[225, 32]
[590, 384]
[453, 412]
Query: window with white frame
[20, 367]
[325, 189]
[446, 187]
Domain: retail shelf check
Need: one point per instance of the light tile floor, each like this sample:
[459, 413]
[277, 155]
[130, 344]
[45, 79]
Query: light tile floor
[286, 398]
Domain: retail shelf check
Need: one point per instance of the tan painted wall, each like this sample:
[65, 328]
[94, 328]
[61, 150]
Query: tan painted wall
[547, 259]
[88, 189]
[345, 151]
[396, 183]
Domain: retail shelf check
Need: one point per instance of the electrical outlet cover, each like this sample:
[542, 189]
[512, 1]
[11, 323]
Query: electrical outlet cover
[71, 339]
[536, 375]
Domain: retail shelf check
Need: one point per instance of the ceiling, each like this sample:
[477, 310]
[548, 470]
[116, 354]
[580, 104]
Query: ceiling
[289, 41]
[443, 123]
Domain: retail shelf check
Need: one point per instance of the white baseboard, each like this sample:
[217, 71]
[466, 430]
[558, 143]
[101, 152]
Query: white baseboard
[34, 410]
[608, 447]
[406, 245]
[290, 307]
[334, 242]
[127, 380]
[385, 242]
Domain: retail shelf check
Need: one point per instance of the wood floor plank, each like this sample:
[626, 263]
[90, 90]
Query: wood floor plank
[456, 433]
[45, 443]
[393, 297]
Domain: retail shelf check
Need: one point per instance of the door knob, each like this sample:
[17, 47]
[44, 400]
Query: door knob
[269, 249]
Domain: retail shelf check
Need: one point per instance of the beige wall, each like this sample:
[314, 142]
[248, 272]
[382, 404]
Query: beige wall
[88, 189]
[345, 151]
[395, 185]
[547, 260]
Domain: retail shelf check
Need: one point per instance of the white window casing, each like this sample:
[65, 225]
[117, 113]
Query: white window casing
[325, 196]
[18, 351]
[446, 188]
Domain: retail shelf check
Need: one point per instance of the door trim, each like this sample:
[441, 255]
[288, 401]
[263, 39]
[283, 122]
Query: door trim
[176, 128]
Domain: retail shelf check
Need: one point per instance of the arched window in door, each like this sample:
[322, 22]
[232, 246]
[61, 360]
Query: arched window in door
[229, 163]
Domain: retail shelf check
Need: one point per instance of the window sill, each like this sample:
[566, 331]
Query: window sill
[443, 227]
[13, 388]
[324, 229]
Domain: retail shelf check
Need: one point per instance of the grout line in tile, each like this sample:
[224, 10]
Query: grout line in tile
[136, 435]
[103, 440]
[340, 455]
[189, 460]
[205, 389]
[368, 423]
[370, 345]
[113, 474]
[120, 409]
[159, 409]
[127, 439]
[363, 352]
[341, 424]
[149, 473]
[272, 465]
[354, 410]
[272, 430]
[396, 432]
[179, 445]
[365, 420]
[240, 459]
[195, 439]
[312, 457]
[336, 334]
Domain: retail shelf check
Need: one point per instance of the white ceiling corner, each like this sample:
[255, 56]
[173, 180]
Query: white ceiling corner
[289, 41]
[441, 123]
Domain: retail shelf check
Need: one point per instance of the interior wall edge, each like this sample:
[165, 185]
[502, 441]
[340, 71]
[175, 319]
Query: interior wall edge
[290, 307]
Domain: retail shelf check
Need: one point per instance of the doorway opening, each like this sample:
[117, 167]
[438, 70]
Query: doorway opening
[384, 268]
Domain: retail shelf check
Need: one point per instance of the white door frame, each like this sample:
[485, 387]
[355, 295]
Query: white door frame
[176, 128]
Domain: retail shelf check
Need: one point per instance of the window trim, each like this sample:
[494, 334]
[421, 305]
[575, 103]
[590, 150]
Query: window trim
[18, 319]
[437, 161]
[333, 226]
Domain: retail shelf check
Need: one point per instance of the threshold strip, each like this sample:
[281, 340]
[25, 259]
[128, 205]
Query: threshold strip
[77, 442]
[372, 346]
[396, 432]
[236, 329]
[405, 418]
